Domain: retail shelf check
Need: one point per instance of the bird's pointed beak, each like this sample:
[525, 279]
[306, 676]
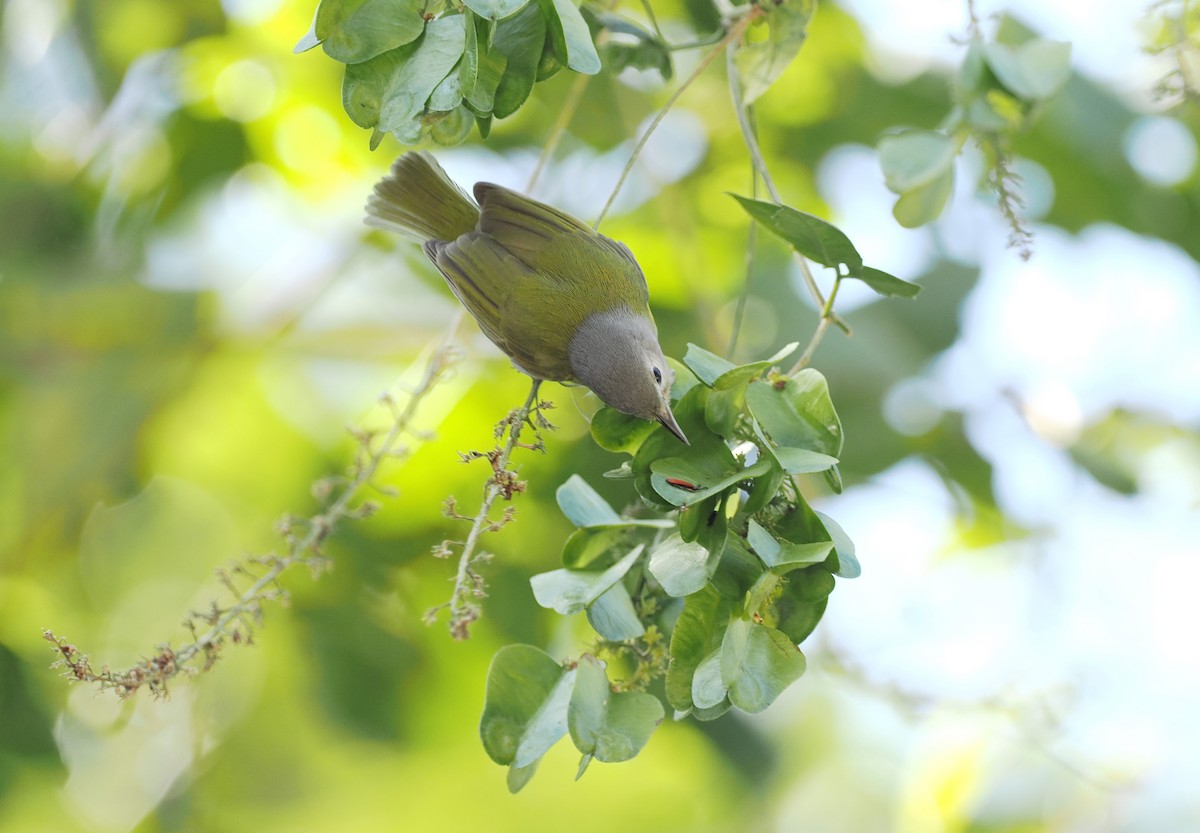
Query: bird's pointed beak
[668, 421]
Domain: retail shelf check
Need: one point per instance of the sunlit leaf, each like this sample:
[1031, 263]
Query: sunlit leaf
[583, 505]
[816, 239]
[847, 560]
[698, 631]
[803, 461]
[606, 725]
[737, 570]
[495, 9]
[682, 568]
[570, 36]
[757, 664]
[1034, 71]
[924, 204]
[615, 431]
[353, 31]
[481, 68]
[760, 63]
[784, 556]
[800, 415]
[915, 158]
[525, 705]
[684, 481]
[390, 91]
[310, 38]
[886, 284]
[707, 366]
[570, 591]
[708, 687]
[519, 39]
[613, 615]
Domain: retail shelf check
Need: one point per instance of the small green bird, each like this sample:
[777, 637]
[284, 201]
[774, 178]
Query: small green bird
[566, 303]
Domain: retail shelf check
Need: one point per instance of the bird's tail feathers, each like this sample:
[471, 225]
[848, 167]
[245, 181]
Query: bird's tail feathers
[418, 200]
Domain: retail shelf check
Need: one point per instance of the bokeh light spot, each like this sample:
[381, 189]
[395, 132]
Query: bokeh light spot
[1161, 150]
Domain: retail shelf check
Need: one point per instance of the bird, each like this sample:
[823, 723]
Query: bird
[562, 301]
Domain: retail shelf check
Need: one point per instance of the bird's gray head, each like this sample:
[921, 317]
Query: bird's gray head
[616, 354]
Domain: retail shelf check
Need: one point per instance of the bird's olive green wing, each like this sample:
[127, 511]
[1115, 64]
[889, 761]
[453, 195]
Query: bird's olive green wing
[481, 274]
[560, 250]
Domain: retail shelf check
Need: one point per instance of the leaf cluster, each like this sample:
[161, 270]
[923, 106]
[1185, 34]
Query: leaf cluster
[997, 92]
[724, 559]
[431, 70]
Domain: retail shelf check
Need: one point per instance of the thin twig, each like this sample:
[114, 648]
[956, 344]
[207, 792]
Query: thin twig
[760, 164]
[570, 105]
[734, 32]
[751, 246]
[463, 611]
[827, 316]
[234, 623]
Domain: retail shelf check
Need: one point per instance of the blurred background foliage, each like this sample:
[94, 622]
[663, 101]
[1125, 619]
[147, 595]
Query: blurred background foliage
[191, 311]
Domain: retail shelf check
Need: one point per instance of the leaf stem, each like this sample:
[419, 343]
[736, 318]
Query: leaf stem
[569, 107]
[827, 318]
[746, 124]
[735, 31]
[751, 246]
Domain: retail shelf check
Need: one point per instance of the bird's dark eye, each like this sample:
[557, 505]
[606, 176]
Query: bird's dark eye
[657, 375]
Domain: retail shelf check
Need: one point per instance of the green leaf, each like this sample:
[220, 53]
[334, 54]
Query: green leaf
[681, 568]
[610, 727]
[816, 239]
[923, 205]
[525, 705]
[783, 556]
[707, 449]
[310, 38]
[803, 461]
[495, 9]
[760, 63]
[708, 688]
[615, 431]
[1034, 71]
[886, 284]
[764, 488]
[802, 602]
[708, 476]
[481, 68]
[847, 559]
[707, 366]
[592, 544]
[742, 374]
[570, 36]
[570, 591]
[757, 664]
[519, 776]
[801, 415]
[447, 95]
[640, 49]
[737, 570]
[453, 128]
[613, 615]
[583, 505]
[389, 92]
[915, 158]
[353, 31]
[519, 39]
[697, 632]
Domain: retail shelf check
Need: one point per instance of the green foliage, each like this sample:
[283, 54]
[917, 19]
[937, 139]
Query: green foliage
[824, 243]
[761, 61]
[998, 91]
[734, 540]
[425, 76]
